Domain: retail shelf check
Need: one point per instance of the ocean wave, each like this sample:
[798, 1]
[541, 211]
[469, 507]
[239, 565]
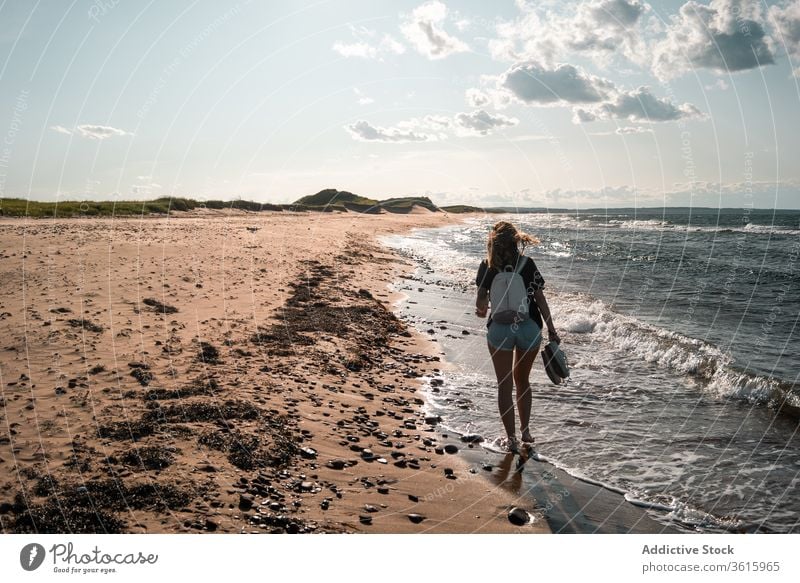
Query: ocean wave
[596, 222]
[683, 354]
[578, 314]
[769, 229]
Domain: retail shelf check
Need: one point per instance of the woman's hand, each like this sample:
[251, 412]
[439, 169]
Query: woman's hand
[482, 303]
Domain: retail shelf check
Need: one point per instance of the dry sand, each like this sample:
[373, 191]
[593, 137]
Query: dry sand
[221, 373]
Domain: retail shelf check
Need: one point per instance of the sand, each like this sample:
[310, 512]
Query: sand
[223, 373]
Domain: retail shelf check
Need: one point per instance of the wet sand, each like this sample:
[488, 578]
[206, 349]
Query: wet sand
[223, 373]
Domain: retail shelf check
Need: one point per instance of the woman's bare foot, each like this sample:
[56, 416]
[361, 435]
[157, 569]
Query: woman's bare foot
[527, 437]
[511, 444]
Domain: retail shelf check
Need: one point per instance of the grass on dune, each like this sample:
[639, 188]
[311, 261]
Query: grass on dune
[19, 207]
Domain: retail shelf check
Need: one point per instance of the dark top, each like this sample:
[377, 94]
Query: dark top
[530, 275]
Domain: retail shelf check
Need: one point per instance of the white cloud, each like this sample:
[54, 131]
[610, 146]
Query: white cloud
[367, 46]
[94, 132]
[361, 98]
[145, 189]
[719, 84]
[356, 49]
[433, 122]
[477, 98]
[431, 128]
[534, 83]
[638, 105]
[605, 26]
[626, 130]
[785, 19]
[462, 24]
[424, 31]
[598, 28]
[61, 130]
[482, 123]
[725, 35]
[365, 132]
[98, 132]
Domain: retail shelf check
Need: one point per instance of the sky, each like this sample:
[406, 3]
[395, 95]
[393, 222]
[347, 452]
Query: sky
[602, 103]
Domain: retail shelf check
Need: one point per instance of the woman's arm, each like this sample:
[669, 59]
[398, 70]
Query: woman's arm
[544, 309]
[482, 302]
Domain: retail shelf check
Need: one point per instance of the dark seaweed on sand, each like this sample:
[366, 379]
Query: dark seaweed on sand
[87, 325]
[159, 307]
[198, 387]
[312, 310]
[208, 354]
[89, 507]
[271, 446]
[202, 411]
[149, 457]
[145, 377]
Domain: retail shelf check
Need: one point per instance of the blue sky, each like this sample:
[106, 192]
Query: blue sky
[599, 103]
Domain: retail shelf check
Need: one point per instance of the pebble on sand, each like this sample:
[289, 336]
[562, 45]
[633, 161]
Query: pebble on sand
[365, 518]
[518, 516]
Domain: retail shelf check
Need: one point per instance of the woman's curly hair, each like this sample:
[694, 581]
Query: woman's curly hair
[504, 243]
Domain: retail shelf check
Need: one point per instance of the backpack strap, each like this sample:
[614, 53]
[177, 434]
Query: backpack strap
[521, 261]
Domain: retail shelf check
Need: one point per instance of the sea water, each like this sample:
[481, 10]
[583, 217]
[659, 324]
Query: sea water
[681, 329]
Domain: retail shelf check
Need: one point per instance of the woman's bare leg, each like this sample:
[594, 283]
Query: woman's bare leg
[503, 361]
[522, 370]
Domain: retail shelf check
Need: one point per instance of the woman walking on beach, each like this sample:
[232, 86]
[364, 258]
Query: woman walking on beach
[514, 334]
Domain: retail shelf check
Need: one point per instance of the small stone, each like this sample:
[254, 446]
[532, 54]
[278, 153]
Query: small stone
[245, 502]
[5, 508]
[383, 490]
[370, 508]
[308, 453]
[211, 525]
[450, 448]
[336, 464]
[448, 472]
[413, 498]
[365, 518]
[472, 438]
[416, 518]
[518, 517]
[487, 467]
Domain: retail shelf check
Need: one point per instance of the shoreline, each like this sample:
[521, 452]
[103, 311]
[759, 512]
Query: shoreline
[182, 376]
[566, 502]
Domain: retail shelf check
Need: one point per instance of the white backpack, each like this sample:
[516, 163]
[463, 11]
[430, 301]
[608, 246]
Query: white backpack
[508, 295]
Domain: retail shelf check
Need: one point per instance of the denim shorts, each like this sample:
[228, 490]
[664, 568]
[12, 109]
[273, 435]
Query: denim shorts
[525, 335]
